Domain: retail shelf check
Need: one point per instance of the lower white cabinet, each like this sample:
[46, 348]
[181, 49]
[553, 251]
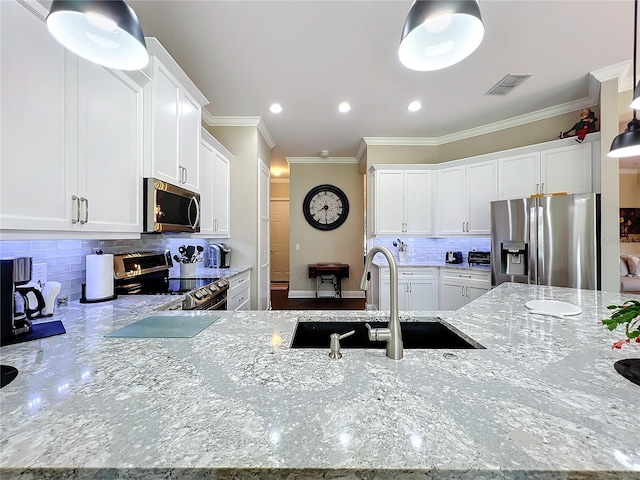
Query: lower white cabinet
[459, 287]
[239, 294]
[417, 288]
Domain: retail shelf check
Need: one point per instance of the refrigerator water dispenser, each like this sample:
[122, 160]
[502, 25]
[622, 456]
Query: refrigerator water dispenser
[514, 258]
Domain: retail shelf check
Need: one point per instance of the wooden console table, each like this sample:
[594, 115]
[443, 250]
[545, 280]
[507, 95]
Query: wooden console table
[329, 273]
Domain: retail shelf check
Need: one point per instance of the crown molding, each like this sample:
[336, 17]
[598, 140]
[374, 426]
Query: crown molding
[321, 160]
[231, 121]
[404, 141]
[611, 72]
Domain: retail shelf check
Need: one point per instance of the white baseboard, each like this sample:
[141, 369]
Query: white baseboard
[312, 294]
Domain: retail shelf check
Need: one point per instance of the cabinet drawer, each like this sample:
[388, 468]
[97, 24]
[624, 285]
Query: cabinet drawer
[465, 275]
[407, 273]
[238, 283]
[239, 300]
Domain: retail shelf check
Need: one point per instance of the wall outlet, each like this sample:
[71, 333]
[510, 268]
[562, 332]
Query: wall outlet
[39, 273]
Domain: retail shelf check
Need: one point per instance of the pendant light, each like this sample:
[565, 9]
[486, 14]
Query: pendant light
[440, 33]
[106, 32]
[627, 144]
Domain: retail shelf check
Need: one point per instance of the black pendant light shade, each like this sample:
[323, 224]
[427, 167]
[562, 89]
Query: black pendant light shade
[106, 32]
[440, 33]
[627, 144]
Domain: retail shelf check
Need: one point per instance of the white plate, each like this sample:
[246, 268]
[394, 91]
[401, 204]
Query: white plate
[553, 307]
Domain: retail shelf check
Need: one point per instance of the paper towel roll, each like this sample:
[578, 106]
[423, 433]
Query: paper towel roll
[99, 277]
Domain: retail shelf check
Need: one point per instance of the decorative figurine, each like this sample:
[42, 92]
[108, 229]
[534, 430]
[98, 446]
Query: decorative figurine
[587, 124]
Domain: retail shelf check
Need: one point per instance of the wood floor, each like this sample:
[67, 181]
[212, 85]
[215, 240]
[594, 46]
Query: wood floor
[280, 301]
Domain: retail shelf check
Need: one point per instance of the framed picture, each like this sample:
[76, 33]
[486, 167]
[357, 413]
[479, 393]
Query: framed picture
[629, 222]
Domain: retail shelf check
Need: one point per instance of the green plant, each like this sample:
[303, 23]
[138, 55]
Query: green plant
[627, 314]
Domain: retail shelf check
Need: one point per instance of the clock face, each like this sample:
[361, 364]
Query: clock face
[325, 207]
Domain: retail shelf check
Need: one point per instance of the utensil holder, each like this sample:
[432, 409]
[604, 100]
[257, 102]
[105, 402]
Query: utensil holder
[402, 256]
[187, 270]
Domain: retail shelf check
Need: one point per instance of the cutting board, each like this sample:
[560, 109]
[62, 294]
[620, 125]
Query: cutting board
[164, 327]
[553, 307]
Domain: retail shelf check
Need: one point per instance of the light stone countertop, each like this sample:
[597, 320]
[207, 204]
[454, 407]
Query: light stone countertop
[435, 263]
[541, 401]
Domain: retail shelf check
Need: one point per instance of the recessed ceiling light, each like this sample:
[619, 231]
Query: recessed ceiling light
[344, 107]
[414, 106]
[275, 108]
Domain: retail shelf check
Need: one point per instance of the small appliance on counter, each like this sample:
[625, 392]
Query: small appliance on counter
[219, 255]
[453, 257]
[99, 286]
[479, 258]
[20, 302]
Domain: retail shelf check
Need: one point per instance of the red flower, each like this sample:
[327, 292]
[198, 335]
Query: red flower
[619, 343]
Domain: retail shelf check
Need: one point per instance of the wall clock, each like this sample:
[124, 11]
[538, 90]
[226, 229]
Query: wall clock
[325, 207]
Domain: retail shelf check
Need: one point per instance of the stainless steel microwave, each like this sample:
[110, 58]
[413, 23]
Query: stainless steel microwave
[168, 208]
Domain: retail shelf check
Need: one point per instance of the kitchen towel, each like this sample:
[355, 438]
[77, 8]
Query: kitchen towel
[165, 327]
[99, 277]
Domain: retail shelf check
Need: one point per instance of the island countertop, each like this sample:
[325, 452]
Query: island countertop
[541, 401]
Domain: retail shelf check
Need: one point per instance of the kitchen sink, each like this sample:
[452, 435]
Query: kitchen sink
[415, 335]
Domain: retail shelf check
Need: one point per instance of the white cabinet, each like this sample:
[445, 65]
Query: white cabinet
[417, 288]
[215, 190]
[464, 196]
[239, 293]
[460, 286]
[173, 107]
[561, 169]
[402, 201]
[83, 171]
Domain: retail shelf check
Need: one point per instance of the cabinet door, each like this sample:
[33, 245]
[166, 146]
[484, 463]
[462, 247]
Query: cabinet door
[36, 178]
[566, 169]
[166, 120]
[207, 194]
[403, 292]
[109, 150]
[451, 200]
[481, 188]
[389, 202]
[221, 195]
[519, 176]
[422, 294]
[418, 202]
[189, 142]
[474, 291]
[452, 295]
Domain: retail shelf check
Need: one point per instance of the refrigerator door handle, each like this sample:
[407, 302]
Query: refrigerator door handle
[533, 242]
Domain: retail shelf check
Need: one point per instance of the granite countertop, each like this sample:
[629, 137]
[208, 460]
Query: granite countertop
[209, 272]
[541, 401]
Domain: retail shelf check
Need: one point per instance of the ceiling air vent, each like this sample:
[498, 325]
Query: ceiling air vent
[508, 83]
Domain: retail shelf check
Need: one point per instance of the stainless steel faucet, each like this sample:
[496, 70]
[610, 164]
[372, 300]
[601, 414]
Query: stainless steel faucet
[392, 334]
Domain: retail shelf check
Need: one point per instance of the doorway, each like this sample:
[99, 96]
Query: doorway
[279, 241]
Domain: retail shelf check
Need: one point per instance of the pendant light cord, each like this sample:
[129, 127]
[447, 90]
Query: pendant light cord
[635, 47]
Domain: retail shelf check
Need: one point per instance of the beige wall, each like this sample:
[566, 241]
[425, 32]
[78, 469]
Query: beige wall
[629, 198]
[344, 244]
[243, 143]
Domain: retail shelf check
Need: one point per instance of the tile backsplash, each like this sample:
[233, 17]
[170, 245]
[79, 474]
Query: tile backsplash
[434, 249]
[66, 261]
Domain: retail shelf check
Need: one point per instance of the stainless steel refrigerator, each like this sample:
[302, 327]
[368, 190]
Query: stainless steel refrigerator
[549, 240]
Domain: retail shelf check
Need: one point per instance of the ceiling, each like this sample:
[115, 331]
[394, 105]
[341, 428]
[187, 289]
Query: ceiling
[311, 55]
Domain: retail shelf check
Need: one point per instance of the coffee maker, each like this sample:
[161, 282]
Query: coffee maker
[13, 304]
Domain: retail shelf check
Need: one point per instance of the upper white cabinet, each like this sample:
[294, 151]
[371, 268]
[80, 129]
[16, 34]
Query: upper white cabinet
[561, 169]
[91, 147]
[464, 196]
[402, 201]
[173, 106]
[215, 189]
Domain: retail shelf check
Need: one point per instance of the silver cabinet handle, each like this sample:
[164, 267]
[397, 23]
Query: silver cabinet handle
[86, 210]
[542, 188]
[186, 175]
[537, 188]
[76, 219]
[467, 226]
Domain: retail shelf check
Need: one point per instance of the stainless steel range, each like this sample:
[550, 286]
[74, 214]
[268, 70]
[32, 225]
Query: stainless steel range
[147, 273]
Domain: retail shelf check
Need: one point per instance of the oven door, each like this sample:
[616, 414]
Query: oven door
[217, 303]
